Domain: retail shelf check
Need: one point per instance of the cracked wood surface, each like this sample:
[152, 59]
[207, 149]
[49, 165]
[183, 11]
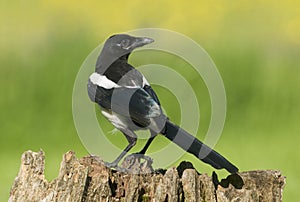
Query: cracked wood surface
[87, 179]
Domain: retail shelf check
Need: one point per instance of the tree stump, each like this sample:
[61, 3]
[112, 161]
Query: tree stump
[88, 179]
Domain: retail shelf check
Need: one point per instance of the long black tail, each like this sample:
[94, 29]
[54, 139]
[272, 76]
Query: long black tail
[192, 145]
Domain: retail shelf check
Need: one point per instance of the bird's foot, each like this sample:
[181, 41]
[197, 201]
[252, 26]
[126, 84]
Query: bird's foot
[138, 163]
[140, 156]
[134, 163]
[115, 166]
[111, 165]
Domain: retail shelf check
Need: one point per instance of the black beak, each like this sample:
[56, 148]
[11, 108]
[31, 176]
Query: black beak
[146, 40]
[141, 41]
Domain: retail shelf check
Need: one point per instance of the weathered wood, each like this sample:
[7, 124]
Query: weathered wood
[87, 179]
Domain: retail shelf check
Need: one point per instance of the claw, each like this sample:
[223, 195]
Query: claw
[116, 167]
[110, 165]
[138, 155]
[123, 170]
[143, 156]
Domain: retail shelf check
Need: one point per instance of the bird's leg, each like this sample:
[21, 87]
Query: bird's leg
[131, 138]
[141, 154]
[143, 151]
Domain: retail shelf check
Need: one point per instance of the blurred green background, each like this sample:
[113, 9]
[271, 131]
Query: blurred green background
[255, 45]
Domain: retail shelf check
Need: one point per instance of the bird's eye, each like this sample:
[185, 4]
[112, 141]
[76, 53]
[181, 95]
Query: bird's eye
[125, 43]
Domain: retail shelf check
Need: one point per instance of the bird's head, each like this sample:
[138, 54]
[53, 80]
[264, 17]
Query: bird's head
[122, 44]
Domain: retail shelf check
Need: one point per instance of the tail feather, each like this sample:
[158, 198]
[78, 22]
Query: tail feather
[192, 145]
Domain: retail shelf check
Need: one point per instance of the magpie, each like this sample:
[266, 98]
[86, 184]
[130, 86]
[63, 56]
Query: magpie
[128, 101]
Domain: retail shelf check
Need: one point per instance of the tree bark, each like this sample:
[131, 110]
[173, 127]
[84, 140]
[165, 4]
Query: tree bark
[88, 179]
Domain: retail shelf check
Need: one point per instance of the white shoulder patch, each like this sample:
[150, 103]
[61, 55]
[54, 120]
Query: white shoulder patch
[102, 81]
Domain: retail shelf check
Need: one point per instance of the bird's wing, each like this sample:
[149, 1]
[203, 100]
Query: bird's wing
[152, 93]
[126, 75]
[131, 102]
